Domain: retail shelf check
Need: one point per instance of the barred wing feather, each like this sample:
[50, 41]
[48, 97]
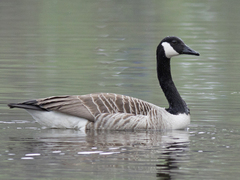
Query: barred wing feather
[92, 106]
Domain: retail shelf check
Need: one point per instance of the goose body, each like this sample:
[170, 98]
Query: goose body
[114, 111]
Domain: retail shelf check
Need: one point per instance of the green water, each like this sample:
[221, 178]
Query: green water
[78, 47]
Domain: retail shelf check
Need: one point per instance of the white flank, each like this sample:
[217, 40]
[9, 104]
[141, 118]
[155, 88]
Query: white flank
[161, 120]
[169, 51]
[53, 119]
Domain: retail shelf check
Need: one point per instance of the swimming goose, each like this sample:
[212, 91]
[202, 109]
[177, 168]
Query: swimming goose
[114, 111]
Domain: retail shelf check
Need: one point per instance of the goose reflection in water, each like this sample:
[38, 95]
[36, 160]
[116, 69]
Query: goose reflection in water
[114, 152]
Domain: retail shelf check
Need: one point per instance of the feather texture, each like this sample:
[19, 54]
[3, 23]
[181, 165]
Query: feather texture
[100, 111]
[118, 112]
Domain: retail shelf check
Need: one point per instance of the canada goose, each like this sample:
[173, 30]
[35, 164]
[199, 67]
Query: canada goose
[114, 111]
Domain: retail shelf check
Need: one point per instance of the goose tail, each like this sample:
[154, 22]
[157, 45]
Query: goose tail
[27, 105]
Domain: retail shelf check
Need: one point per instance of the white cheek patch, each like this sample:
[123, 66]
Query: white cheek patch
[169, 51]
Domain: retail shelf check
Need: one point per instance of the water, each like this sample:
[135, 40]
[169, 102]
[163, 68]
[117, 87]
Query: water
[78, 47]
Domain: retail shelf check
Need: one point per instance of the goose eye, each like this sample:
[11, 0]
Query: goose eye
[174, 42]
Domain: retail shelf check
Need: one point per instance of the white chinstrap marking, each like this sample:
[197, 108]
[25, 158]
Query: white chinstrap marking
[112, 111]
[169, 51]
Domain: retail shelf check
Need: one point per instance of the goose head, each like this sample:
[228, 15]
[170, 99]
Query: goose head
[174, 46]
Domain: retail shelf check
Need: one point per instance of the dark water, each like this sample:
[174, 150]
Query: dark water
[78, 47]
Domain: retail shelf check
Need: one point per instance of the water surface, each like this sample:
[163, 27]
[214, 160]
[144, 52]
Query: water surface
[77, 47]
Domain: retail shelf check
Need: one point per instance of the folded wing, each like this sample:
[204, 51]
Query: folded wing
[89, 106]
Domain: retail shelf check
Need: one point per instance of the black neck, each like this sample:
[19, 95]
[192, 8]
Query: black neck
[176, 104]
